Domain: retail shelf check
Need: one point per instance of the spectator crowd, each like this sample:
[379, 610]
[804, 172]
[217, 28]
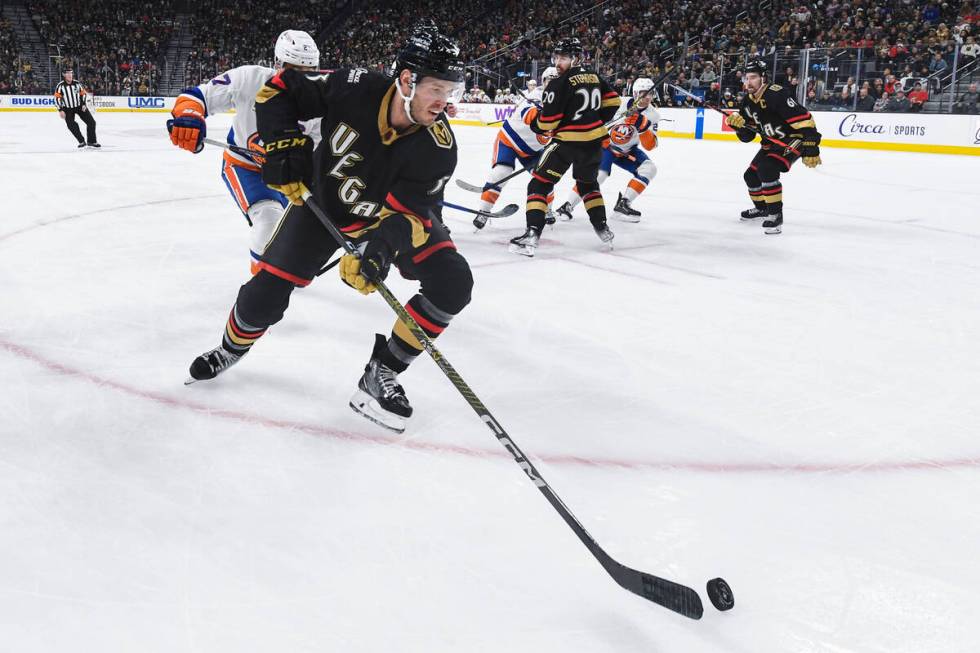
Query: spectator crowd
[866, 55]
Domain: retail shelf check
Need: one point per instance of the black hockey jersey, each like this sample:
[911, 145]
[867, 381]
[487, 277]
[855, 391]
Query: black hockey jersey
[576, 106]
[364, 170]
[777, 114]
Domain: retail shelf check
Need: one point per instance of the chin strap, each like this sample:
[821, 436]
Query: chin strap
[407, 99]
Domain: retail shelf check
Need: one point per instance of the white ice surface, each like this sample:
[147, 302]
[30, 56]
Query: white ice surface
[795, 413]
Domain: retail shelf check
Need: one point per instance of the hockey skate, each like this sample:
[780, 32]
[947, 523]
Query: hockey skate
[549, 217]
[564, 212]
[605, 234]
[624, 211]
[526, 243]
[752, 214]
[210, 364]
[379, 396]
[481, 221]
[774, 223]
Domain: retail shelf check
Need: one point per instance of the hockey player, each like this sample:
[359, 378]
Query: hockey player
[516, 142]
[379, 173]
[577, 106]
[533, 93]
[626, 147]
[236, 89]
[773, 110]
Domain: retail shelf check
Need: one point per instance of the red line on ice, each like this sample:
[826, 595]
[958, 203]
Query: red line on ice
[558, 459]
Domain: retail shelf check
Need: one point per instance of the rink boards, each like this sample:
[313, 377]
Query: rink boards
[907, 132]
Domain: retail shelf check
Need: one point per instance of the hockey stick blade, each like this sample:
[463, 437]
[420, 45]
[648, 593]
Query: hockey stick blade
[675, 597]
[473, 188]
[510, 209]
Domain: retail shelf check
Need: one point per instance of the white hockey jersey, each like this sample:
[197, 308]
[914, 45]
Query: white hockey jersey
[236, 89]
[516, 131]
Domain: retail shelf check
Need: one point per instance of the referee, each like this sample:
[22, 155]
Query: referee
[70, 98]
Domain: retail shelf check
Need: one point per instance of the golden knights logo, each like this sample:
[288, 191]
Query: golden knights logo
[441, 134]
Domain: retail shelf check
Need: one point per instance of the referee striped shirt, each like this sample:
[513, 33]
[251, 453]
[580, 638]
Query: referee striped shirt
[69, 96]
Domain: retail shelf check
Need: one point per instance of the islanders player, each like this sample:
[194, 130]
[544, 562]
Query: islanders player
[236, 89]
[515, 143]
[630, 139]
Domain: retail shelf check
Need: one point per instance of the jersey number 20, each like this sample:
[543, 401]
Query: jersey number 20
[591, 100]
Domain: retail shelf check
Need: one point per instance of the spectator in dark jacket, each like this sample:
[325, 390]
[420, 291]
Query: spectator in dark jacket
[865, 101]
[968, 101]
[899, 103]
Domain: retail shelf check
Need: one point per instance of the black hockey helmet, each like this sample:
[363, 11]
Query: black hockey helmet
[757, 66]
[570, 46]
[427, 53]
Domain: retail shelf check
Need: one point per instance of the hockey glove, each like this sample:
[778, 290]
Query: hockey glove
[373, 264]
[811, 152]
[187, 127]
[289, 164]
[735, 120]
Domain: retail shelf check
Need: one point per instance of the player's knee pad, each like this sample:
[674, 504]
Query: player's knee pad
[647, 170]
[769, 169]
[538, 187]
[751, 178]
[264, 299]
[586, 187]
[449, 283]
[265, 215]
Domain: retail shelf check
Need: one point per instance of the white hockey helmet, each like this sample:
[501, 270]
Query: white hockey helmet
[549, 74]
[642, 85]
[298, 48]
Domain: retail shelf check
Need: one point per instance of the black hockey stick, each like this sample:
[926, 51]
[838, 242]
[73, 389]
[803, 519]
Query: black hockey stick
[473, 188]
[673, 596]
[708, 105]
[508, 210]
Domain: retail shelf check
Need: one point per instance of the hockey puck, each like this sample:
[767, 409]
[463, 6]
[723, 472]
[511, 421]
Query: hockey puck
[721, 594]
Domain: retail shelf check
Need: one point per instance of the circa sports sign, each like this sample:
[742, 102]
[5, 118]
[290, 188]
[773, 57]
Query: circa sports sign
[863, 124]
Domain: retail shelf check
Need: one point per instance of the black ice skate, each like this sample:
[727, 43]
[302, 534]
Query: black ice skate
[564, 212]
[210, 364]
[624, 211]
[774, 223]
[753, 214]
[604, 233]
[480, 221]
[81, 145]
[379, 396]
[549, 216]
[525, 244]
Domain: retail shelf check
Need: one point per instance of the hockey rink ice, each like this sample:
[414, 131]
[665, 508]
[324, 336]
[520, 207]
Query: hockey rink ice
[797, 414]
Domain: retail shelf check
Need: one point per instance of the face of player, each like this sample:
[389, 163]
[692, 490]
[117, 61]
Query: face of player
[753, 82]
[562, 62]
[431, 97]
[643, 100]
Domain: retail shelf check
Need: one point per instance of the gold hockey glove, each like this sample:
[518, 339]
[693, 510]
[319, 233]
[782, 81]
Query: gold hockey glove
[735, 120]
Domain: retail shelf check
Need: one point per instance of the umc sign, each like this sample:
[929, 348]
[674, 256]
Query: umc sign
[146, 103]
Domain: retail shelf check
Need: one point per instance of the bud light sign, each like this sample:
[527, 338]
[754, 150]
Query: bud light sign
[146, 103]
[28, 101]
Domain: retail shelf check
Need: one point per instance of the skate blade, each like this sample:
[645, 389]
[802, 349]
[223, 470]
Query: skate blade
[365, 405]
[773, 230]
[622, 217]
[520, 249]
[749, 219]
[191, 380]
